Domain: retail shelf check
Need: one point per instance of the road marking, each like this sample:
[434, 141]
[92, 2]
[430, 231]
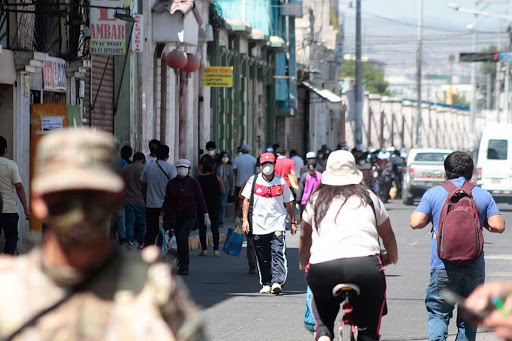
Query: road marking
[501, 257]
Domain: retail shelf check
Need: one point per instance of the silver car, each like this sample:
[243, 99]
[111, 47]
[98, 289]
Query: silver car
[424, 170]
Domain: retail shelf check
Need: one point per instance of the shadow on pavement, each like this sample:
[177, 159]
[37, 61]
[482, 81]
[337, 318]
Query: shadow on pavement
[213, 280]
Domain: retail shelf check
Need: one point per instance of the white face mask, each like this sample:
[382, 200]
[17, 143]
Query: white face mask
[268, 169]
[211, 152]
[183, 171]
[225, 159]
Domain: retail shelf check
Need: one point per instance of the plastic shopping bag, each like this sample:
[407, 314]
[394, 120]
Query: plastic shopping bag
[162, 241]
[233, 243]
[309, 320]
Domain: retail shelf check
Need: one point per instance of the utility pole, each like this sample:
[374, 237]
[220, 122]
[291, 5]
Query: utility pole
[507, 78]
[472, 114]
[418, 73]
[497, 88]
[358, 91]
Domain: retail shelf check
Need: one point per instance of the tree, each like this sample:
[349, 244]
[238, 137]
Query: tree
[373, 78]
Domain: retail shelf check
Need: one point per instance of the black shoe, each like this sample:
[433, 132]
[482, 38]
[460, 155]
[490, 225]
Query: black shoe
[123, 241]
[221, 224]
[183, 272]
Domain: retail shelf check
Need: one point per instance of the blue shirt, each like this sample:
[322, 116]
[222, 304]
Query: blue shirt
[432, 204]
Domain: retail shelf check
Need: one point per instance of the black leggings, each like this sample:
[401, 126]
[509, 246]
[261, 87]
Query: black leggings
[368, 307]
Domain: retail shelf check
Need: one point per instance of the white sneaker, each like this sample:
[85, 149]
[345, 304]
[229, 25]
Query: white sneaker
[265, 289]
[203, 253]
[276, 289]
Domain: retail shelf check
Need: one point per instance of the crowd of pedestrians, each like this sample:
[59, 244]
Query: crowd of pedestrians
[341, 197]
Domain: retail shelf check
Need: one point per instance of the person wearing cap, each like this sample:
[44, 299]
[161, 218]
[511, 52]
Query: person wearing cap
[183, 203]
[270, 199]
[311, 160]
[10, 187]
[77, 285]
[154, 178]
[211, 157]
[339, 243]
[244, 167]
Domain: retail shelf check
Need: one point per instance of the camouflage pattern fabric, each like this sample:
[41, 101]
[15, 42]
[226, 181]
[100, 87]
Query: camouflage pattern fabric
[134, 297]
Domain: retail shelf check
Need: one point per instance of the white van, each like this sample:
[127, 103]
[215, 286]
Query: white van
[494, 166]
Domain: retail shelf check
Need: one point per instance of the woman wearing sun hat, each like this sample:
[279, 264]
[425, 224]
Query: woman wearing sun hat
[342, 223]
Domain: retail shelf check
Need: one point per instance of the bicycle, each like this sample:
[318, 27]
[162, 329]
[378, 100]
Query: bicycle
[347, 329]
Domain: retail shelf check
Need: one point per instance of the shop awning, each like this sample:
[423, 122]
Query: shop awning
[324, 93]
[8, 74]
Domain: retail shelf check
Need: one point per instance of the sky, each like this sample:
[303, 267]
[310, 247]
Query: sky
[390, 32]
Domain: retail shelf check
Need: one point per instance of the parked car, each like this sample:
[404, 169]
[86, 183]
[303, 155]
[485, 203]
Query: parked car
[424, 170]
[494, 166]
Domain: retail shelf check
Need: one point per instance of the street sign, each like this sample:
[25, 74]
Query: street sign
[505, 57]
[218, 76]
[138, 34]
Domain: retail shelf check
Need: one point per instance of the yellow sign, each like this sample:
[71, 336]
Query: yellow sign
[218, 76]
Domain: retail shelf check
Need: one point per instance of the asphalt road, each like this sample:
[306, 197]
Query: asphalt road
[234, 310]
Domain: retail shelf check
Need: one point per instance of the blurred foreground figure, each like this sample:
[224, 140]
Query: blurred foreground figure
[76, 286]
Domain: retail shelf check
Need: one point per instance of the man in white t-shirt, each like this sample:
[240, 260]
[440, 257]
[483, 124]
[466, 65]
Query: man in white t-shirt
[10, 187]
[271, 199]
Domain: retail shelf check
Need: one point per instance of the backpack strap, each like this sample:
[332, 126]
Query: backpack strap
[449, 186]
[467, 188]
[251, 202]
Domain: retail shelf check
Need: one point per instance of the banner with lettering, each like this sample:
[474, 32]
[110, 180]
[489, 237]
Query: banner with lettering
[108, 33]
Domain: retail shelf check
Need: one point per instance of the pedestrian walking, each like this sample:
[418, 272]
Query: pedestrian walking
[285, 168]
[183, 205]
[212, 189]
[134, 205]
[10, 187]
[76, 285]
[270, 198]
[308, 184]
[153, 147]
[479, 211]
[339, 243]
[244, 167]
[210, 158]
[225, 172]
[126, 154]
[311, 160]
[154, 178]
[299, 163]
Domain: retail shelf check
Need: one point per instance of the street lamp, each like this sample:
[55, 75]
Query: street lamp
[476, 13]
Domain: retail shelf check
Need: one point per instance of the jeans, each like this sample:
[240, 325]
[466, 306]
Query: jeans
[9, 224]
[182, 230]
[214, 218]
[152, 215]
[462, 280]
[135, 219]
[223, 203]
[120, 224]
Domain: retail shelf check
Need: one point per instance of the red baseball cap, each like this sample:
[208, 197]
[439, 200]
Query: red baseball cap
[267, 157]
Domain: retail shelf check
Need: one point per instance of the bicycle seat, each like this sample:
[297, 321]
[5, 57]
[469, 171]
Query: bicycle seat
[341, 288]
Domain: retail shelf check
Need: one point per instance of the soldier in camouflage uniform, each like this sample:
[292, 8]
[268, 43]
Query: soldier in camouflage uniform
[76, 286]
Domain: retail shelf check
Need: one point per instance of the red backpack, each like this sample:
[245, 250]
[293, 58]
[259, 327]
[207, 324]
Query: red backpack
[459, 236]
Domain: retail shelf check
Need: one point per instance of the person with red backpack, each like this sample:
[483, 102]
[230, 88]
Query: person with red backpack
[458, 211]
